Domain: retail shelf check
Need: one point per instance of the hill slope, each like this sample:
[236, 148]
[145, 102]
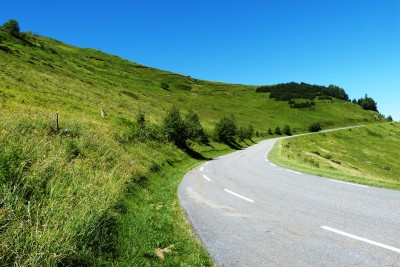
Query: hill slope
[69, 193]
[366, 155]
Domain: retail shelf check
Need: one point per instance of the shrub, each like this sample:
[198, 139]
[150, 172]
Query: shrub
[245, 133]
[174, 127]
[164, 86]
[226, 130]
[278, 131]
[250, 131]
[12, 27]
[389, 118]
[241, 134]
[314, 127]
[269, 131]
[287, 130]
[193, 127]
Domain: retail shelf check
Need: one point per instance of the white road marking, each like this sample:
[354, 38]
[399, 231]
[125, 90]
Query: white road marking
[361, 239]
[206, 163]
[205, 177]
[237, 195]
[201, 169]
[336, 181]
[266, 160]
[272, 164]
[293, 171]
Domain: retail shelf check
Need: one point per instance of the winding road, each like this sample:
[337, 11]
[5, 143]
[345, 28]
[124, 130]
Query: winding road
[249, 212]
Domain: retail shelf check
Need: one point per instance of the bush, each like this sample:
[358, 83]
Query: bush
[389, 118]
[241, 134]
[287, 130]
[314, 127]
[245, 133]
[164, 86]
[174, 127]
[269, 131]
[195, 131]
[250, 131]
[278, 131]
[12, 27]
[226, 130]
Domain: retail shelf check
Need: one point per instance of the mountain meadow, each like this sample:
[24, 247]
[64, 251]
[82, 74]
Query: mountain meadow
[93, 147]
[366, 155]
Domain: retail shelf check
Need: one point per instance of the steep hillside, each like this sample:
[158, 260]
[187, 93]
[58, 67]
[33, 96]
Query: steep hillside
[47, 75]
[71, 196]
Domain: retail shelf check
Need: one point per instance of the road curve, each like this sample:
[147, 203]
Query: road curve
[250, 212]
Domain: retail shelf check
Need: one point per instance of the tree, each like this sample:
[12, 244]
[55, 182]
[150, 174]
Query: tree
[368, 103]
[389, 118]
[12, 27]
[193, 127]
[269, 131]
[314, 127]
[287, 130]
[278, 130]
[226, 130]
[174, 127]
[241, 134]
[249, 132]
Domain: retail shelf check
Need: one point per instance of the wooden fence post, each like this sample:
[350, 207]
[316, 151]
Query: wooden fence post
[56, 121]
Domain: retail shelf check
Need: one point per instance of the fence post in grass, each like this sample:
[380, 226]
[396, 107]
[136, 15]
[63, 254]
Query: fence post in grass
[56, 121]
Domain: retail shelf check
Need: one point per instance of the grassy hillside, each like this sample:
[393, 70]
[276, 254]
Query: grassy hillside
[72, 196]
[367, 155]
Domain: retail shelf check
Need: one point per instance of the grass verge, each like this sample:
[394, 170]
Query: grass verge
[154, 230]
[366, 155]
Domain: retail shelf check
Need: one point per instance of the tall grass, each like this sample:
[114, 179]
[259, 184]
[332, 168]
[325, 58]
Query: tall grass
[55, 187]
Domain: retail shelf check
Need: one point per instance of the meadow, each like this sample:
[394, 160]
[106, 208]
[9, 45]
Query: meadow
[367, 155]
[88, 192]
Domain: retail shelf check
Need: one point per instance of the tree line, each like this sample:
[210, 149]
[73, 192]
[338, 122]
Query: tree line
[288, 91]
[183, 130]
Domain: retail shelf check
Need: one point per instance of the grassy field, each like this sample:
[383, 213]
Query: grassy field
[368, 155]
[89, 193]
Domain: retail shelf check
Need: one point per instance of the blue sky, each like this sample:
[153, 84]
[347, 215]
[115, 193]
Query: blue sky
[353, 44]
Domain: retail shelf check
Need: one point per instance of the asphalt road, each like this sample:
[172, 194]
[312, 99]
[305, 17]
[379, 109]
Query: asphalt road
[249, 212]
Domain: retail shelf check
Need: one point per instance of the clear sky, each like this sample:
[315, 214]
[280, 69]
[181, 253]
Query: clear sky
[354, 44]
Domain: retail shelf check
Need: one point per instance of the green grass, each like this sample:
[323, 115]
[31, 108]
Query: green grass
[88, 194]
[159, 220]
[368, 155]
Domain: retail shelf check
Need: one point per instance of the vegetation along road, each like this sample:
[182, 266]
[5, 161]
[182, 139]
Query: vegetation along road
[248, 211]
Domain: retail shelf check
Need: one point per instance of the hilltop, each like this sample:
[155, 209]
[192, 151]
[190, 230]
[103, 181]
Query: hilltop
[91, 192]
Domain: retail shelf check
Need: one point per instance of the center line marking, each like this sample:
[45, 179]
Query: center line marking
[237, 195]
[336, 181]
[361, 239]
[205, 177]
